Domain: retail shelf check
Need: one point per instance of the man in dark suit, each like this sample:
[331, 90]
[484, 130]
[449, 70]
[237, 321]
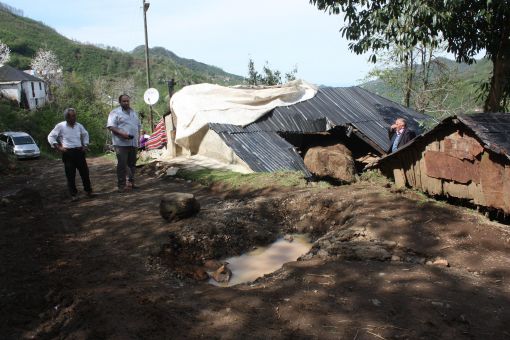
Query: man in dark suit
[399, 134]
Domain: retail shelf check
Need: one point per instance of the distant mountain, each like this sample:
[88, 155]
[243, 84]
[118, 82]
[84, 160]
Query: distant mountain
[166, 65]
[25, 36]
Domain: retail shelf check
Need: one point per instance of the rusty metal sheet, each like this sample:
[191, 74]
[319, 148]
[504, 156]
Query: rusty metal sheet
[456, 189]
[441, 165]
[493, 129]
[462, 146]
[476, 193]
[491, 178]
[506, 188]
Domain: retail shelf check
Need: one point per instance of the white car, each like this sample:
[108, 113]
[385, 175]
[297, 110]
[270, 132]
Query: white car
[20, 144]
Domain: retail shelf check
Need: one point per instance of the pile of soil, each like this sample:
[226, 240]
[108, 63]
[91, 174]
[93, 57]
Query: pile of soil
[384, 264]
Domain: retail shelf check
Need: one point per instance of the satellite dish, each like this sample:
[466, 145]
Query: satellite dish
[151, 96]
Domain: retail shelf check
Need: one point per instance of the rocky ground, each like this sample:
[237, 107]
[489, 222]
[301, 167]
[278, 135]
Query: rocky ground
[384, 264]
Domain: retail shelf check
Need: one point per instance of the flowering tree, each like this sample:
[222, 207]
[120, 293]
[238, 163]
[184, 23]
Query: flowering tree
[47, 67]
[5, 53]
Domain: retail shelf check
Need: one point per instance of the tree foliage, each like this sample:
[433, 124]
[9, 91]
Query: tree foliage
[425, 82]
[468, 27]
[268, 76]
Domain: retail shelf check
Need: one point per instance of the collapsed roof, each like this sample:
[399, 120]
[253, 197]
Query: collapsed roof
[363, 113]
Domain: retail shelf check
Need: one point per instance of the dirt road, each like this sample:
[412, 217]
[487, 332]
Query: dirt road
[111, 268]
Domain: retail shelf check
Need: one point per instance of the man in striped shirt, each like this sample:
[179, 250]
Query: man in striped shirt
[71, 139]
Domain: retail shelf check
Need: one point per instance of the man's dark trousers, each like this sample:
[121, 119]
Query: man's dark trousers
[75, 159]
[126, 164]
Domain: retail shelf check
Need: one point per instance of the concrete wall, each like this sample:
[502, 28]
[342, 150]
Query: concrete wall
[37, 96]
[11, 91]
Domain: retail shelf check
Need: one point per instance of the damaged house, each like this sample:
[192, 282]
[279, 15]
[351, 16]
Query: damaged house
[27, 90]
[351, 121]
[465, 157]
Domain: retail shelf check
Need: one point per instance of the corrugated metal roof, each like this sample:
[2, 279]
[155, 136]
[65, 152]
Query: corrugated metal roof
[9, 73]
[260, 146]
[493, 129]
[369, 113]
[263, 151]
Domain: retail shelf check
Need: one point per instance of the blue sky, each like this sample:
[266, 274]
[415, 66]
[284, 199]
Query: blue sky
[224, 33]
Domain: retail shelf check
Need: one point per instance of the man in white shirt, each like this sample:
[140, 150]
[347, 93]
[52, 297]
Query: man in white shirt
[125, 126]
[71, 139]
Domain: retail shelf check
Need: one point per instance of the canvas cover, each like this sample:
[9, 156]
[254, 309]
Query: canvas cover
[196, 106]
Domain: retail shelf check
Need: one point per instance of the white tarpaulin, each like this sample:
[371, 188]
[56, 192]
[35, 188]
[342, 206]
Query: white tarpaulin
[197, 105]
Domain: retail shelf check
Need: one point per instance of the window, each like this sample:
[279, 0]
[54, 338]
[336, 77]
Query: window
[40, 86]
[22, 140]
[33, 89]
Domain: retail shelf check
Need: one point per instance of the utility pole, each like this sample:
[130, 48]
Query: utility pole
[145, 8]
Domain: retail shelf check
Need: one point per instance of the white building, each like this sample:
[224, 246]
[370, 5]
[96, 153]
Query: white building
[29, 91]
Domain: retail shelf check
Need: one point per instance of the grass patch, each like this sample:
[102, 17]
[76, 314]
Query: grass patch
[258, 180]
[423, 198]
[375, 177]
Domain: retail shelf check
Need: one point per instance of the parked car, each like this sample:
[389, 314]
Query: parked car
[20, 144]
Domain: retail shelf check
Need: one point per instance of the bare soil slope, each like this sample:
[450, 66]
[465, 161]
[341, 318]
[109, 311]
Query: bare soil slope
[112, 268]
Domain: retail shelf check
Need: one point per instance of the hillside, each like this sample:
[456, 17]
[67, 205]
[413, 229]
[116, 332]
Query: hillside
[464, 97]
[25, 36]
[162, 55]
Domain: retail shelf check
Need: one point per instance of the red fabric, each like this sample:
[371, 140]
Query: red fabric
[158, 139]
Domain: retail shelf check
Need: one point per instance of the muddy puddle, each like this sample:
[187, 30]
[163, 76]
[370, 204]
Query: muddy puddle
[265, 260]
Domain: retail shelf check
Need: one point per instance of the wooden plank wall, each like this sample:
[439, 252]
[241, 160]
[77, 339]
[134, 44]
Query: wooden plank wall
[452, 162]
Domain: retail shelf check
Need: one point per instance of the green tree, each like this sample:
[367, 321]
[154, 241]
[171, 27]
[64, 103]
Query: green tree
[269, 76]
[468, 27]
[430, 81]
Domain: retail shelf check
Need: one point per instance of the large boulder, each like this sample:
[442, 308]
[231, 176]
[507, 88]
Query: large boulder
[178, 205]
[333, 161]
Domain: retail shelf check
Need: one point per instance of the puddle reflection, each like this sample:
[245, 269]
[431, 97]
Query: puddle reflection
[265, 260]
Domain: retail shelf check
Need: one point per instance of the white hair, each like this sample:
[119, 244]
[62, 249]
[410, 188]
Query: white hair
[66, 111]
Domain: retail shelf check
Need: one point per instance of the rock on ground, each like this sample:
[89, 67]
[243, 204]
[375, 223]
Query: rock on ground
[331, 161]
[178, 205]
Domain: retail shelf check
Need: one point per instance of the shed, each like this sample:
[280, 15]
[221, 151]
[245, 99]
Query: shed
[277, 140]
[464, 156]
[27, 90]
